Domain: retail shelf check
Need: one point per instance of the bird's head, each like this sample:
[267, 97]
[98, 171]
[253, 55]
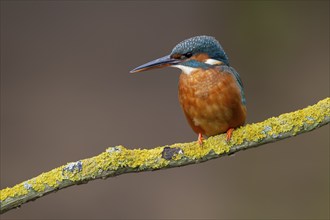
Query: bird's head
[189, 55]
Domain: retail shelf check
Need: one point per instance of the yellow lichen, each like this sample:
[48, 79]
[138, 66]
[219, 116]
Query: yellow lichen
[51, 179]
[287, 122]
[118, 157]
[178, 155]
[17, 190]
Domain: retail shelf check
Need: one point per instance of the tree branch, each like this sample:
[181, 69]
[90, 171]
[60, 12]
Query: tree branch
[118, 160]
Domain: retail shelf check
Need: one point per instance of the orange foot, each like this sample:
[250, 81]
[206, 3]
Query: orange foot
[200, 138]
[229, 134]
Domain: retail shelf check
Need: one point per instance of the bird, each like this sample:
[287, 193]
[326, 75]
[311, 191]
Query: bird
[211, 92]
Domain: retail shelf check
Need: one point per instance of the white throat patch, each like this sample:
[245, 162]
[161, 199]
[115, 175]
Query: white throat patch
[185, 69]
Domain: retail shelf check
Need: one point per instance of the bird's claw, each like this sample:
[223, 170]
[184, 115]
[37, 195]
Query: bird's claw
[229, 134]
[200, 139]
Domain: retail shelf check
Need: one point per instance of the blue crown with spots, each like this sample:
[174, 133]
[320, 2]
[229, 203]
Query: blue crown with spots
[202, 44]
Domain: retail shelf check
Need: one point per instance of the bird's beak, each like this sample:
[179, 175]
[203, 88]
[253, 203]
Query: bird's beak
[158, 63]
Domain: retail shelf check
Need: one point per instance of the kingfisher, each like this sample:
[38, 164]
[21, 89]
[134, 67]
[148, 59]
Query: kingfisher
[210, 90]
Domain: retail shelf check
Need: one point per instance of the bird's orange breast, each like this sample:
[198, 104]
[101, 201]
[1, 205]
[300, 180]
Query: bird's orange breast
[211, 101]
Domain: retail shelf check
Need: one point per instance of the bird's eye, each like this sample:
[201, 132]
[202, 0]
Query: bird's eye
[188, 55]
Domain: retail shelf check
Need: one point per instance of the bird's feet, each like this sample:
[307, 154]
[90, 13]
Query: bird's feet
[229, 134]
[200, 139]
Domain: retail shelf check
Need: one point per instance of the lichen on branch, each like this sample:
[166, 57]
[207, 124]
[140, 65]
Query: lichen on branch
[118, 160]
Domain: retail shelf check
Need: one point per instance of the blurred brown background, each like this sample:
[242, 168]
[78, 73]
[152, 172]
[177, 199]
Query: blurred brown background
[66, 94]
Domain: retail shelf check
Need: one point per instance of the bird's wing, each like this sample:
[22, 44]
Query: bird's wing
[231, 70]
